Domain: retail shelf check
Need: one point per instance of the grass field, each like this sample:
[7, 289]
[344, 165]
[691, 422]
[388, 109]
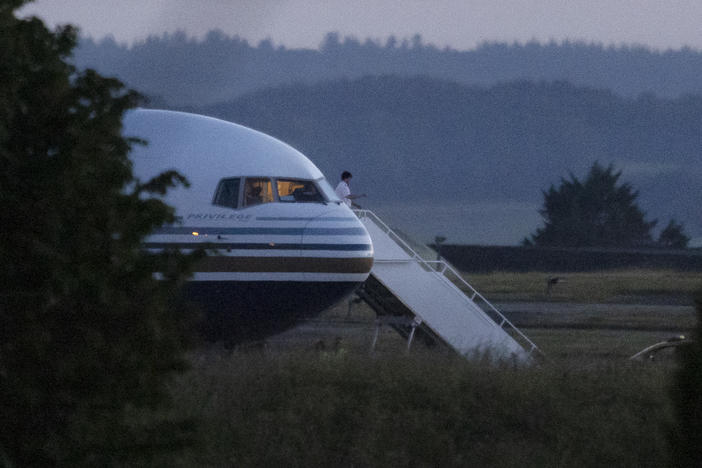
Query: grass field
[618, 286]
[316, 396]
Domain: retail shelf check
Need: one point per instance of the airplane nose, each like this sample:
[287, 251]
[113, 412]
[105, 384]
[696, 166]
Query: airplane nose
[339, 246]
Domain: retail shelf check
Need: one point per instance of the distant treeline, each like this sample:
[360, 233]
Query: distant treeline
[483, 259]
[182, 70]
[421, 140]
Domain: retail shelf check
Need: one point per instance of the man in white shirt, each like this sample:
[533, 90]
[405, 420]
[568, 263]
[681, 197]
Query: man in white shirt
[343, 191]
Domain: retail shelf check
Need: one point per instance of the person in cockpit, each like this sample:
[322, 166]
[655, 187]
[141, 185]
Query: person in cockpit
[253, 196]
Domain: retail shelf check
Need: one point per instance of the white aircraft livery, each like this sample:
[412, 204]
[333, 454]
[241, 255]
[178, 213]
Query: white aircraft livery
[285, 246]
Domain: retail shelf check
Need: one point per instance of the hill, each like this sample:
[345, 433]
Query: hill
[471, 162]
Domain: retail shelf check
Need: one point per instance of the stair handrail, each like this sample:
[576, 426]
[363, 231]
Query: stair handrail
[504, 323]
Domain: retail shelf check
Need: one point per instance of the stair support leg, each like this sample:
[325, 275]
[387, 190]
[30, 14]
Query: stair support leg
[375, 335]
[411, 337]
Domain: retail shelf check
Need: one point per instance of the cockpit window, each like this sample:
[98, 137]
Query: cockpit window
[227, 193]
[241, 192]
[300, 191]
[257, 190]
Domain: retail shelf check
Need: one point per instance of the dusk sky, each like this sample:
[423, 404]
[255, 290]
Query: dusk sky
[460, 24]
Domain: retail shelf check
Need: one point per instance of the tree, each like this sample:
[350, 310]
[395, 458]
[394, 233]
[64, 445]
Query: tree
[598, 212]
[673, 236]
[88, 337]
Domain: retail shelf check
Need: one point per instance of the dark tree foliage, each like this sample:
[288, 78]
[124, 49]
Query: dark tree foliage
[686, 434]
[235, 67]
[597, 212]
[88, 337]
[673, 236]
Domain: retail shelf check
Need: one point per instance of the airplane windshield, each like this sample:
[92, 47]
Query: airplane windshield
[257, 190]
[327, 190]
[298, 191]
[241, 192]
[227, 193]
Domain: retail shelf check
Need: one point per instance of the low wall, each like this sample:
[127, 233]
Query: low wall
[480, 259]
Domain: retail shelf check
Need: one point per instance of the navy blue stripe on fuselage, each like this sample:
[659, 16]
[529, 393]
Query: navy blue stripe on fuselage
[292, 218]
[257, 246]
[270, 231]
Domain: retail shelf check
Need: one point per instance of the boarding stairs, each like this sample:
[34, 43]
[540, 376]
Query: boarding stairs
[429, 300]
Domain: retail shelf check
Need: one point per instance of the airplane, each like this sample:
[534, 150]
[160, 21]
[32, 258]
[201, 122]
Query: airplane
[286, 247]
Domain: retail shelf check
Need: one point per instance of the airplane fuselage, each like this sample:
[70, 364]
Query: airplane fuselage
[282, 247]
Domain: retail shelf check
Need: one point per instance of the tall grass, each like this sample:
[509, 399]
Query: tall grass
[328, 409]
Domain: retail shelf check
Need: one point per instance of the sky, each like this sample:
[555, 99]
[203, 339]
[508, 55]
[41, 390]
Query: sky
[459, 24]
